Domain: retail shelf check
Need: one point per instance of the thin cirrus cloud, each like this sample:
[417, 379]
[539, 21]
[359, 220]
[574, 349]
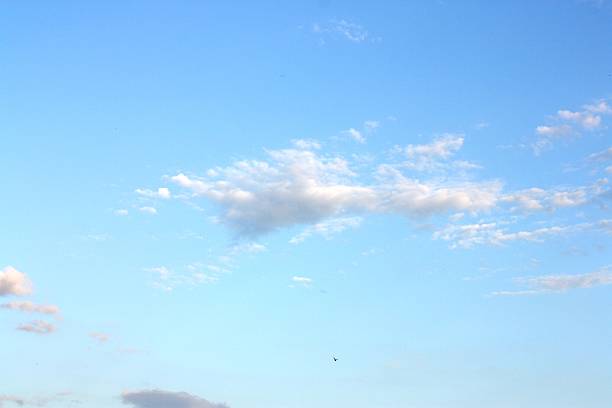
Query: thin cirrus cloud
[568, 123]
[298, 186]
[602, 156]
[13, 282]
[369, 126]
[327, 228]
[166, 399]
[343, 29]
[302, 280]
[356, 135]
[560, 283]
[37, 327]
[497, 234]
[27, 306]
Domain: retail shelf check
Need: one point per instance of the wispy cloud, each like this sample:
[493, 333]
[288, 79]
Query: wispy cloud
[538, 199]
[306, 144]
[560, 283]
[355, 135]
[148, 210]
[38, 327]
[248, 248]
[496, 233]
[27, 306]
[302, 281]
[344, 29]
[327, 228]
[568, 123]
[161, 192]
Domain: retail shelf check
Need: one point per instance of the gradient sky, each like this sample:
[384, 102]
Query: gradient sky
[203, 202]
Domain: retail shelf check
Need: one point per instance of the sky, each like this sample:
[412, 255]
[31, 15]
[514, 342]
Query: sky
[203, 203]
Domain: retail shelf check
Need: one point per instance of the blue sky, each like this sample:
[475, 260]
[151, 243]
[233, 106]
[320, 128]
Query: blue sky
[203, 203]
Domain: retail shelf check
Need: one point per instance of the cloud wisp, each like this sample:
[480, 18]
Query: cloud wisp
[343, 29]
[37, 327]
[27, 306]
[560, 283]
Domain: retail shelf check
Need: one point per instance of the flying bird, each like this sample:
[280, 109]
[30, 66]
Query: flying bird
[335, 359]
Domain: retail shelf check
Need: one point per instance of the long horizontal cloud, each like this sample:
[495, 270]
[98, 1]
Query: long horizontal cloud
[561, 283]
[37, 327]
[300, 186]
[492, 233]
[27, 306]
[166, 399]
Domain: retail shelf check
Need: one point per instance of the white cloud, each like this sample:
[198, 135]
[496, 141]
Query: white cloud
[166, 399]
[303, 144]
[121, 212]
[303, 187]
[356, 135]
[302, 280]
[371, 125]
[442, 147]
[435, 156]
[167, 280]
[470, 235]
[327, 228]
[601, 107]
[148, 210]
[161, 271]
[537, 199]
[161, 192]
[560, 130]
[13, 282]
[570, 123]
[27, 306]
[38, 327]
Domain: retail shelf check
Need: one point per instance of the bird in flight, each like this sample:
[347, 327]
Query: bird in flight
[335, 359]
